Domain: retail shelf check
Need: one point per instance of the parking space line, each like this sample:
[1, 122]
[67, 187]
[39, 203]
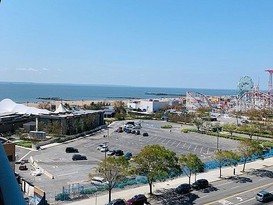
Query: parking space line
[184, 145]
[174, 142]
[189, 147]
[208, 151]
[178, 144]
[195, 148]
[201, 149]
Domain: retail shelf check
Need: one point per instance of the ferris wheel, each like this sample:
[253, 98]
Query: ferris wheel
[245, 84]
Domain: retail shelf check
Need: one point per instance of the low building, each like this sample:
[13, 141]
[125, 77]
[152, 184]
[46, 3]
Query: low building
[148, 106]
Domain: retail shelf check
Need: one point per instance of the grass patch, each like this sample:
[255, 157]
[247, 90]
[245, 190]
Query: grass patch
[24, 143]
[166, 126]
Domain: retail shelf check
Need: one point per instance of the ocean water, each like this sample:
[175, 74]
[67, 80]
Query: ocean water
[30, 92]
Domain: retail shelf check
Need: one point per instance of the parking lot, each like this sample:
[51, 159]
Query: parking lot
[57, 162]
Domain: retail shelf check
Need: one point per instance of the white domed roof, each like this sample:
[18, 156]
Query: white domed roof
[7, 105]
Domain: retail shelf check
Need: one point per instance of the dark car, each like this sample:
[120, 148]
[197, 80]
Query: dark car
[200, 184]
[145, 134]
[264, 196]
[128, 155]
[119, 152]
[23, 167]
[139, 199]
[133, 132]
[71, 150]
[117, 202]
[137, 132]
[183, 189]
[78, 157]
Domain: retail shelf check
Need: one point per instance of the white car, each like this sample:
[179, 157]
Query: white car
[104, 149]
[100, 146]
[36, 172]
[98, 181]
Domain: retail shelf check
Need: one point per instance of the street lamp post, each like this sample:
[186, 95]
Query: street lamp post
[217, 142]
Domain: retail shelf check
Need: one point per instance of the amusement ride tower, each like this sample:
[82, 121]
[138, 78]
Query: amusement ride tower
[270, 81]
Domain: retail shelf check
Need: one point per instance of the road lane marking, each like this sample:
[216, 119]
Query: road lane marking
[61, 175]
[243, 192]
[24, 156]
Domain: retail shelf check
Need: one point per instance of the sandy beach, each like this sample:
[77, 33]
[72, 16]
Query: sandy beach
[81, 103]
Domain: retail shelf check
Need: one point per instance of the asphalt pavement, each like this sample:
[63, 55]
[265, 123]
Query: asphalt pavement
[211, 176]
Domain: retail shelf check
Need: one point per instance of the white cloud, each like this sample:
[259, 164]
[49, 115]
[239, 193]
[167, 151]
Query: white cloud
[32, 69]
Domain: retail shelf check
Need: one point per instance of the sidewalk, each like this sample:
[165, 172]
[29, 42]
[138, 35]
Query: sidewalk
[212, 175]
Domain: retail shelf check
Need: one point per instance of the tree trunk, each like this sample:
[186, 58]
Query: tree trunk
[220, 171]
[244, 165]
[151, 187]
[110, 190]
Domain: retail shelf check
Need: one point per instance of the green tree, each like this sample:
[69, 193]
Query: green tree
[190, 164]
[230, 127]
[198, 122]
[248, 148]
[225, 158]
[120, 112]
[155, 161]
[112, 169]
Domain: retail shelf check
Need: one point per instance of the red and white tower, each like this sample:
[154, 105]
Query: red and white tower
[270, 81]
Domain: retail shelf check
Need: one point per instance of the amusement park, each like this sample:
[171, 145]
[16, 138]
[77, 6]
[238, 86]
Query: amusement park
[249, 96]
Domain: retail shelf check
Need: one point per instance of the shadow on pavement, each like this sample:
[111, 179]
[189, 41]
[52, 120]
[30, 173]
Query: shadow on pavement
[261, 173]
[209, 189]
[239, 179]
[169, 197]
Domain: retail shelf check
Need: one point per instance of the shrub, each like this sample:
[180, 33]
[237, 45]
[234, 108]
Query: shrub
[185, 130]
[166, 126]
[62, 197]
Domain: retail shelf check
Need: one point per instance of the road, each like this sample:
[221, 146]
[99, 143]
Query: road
[231, 191]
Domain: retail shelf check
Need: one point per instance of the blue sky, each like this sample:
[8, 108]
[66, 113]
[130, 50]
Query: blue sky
[158, 43]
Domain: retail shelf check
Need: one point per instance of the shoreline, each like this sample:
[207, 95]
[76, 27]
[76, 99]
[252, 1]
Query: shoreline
[81, 103]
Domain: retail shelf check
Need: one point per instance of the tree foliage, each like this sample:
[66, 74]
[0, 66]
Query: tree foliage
[248, 148]
[112, 169]
[225, 158]
[119, 110]
[230, 127]
[190, 164]
[155, 161]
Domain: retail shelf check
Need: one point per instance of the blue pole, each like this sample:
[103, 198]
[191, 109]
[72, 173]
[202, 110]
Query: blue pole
[9, 186]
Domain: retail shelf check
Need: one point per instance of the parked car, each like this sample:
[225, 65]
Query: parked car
[23, 167]
[104, 149]
[137, 132]
[133, 132]
[78, 157]
[145, 134]
[139, 199]
[36, 172]
[128, 155]
[101, 146]
[119, 152]
[119, 130]
[264, 196]
[183, 189]
[98, 181]
[111, 152]
[200, 184]
[117, 202]
[71, 150]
